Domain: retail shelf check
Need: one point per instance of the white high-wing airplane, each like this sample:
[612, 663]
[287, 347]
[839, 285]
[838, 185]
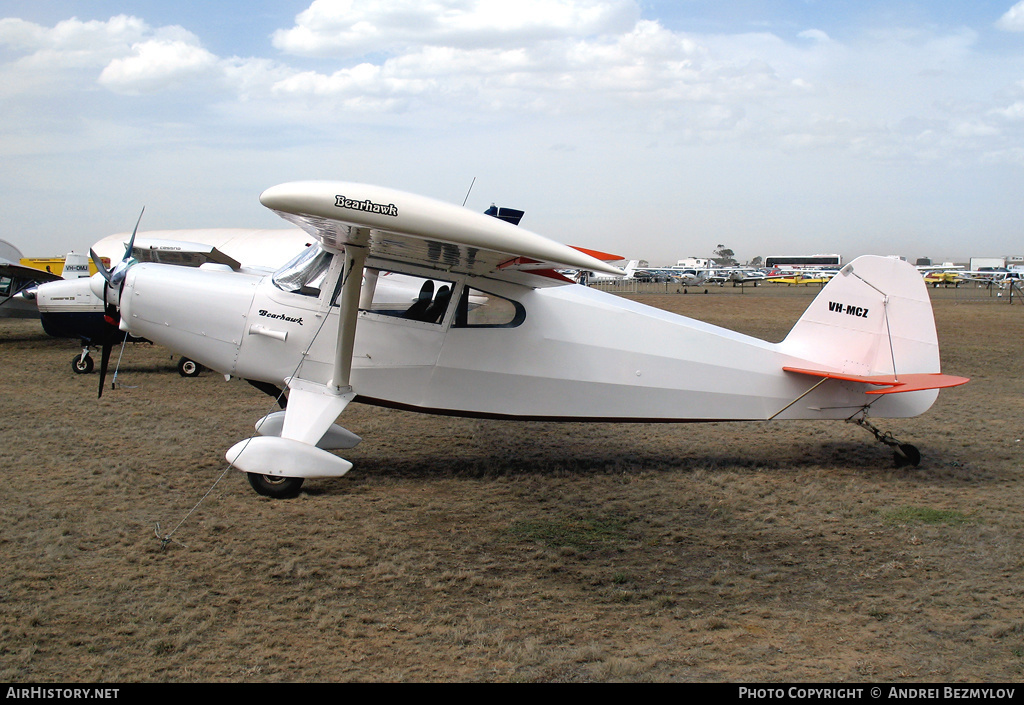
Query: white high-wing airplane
[1001, 278]
[865, 346]
[691, 277]
[743, 275]
[17, 284]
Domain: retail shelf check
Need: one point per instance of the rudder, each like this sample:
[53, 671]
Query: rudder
[874, 317]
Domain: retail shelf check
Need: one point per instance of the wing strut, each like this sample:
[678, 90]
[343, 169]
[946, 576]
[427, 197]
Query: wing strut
[352, 278]
[308, 426]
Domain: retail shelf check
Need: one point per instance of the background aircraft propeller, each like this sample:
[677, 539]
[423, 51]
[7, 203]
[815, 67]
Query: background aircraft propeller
[113, 281]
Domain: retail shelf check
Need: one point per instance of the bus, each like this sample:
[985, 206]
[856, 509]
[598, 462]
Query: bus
[803, 261]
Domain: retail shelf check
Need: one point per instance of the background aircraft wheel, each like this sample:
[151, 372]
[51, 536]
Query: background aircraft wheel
[80, 365]
[906, 454]
[274, 486]
[188, 368]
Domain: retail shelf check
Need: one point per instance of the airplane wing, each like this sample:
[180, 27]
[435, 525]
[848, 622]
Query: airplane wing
[249, 247]
[188, 254]
[987, 276]
[14, 269]
[403, 227]
[16, 283]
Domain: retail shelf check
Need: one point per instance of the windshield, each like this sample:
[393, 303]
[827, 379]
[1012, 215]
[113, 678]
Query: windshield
[305, 273]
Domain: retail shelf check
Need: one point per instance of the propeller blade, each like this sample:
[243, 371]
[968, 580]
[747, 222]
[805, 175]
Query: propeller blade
[113, 277]
[104, 361]
[131, 242]
[104, 272]
[118, 273]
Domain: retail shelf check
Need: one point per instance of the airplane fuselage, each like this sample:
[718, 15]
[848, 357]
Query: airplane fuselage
[555, 352]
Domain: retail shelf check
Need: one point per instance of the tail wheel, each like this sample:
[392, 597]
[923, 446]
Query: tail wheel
[906, 454]
[275, 486]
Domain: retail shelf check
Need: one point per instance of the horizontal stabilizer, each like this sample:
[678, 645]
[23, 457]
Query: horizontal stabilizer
[891, 383]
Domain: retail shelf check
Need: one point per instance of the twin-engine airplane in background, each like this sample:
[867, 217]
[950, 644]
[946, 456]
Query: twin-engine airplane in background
[496, 332]
[69, 308]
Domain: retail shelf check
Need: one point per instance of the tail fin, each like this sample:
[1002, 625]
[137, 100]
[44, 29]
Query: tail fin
[76, 266]
[873, 318]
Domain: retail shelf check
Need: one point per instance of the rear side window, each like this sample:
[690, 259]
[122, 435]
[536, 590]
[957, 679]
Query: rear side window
[481, 309]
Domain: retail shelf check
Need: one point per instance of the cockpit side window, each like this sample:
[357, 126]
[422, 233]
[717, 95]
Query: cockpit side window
[305, 273]
[480, 309]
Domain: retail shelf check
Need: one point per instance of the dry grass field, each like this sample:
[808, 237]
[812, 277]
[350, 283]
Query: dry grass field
[463, 550]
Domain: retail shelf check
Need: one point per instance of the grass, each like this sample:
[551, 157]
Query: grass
[926, 515]
[578, 532]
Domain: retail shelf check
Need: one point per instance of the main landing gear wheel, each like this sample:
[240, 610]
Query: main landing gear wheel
[188, 368]
[81, 365]
[275, 486]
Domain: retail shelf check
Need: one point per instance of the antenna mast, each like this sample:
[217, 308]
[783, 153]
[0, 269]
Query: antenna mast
[468, 192]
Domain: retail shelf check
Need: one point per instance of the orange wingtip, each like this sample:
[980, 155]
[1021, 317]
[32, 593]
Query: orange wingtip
[915, 382]
[596, 254]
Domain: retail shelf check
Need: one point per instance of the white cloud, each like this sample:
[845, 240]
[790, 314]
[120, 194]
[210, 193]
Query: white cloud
[129, 55]
[1013, 20]
[345, 28]
[815, 35]
[593, 61]
[645, 66]
[20, 34]
[157, 64]
[72, 43]
[1011, 112]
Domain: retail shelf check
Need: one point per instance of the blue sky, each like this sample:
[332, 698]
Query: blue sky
[656, 130]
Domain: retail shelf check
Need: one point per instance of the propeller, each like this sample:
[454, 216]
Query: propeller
[113, 282]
